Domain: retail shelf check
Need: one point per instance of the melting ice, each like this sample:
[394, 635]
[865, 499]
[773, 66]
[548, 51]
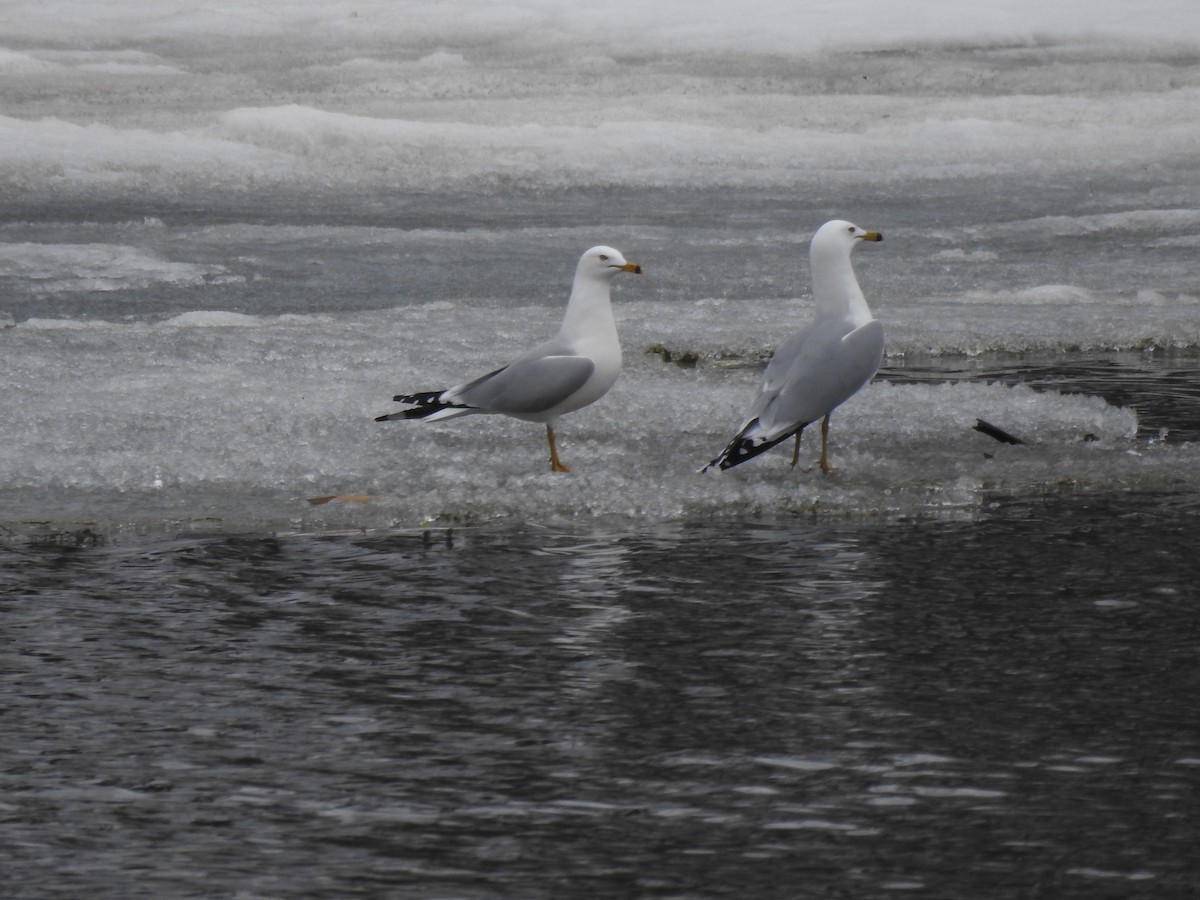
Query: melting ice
[229, 237]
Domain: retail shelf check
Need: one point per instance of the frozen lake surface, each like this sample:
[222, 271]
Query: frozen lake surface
[955, 668]
[135, 408]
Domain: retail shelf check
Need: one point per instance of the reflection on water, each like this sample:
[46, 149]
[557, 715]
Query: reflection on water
[1001, 708]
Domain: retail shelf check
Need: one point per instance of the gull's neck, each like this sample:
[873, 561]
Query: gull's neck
[589, 311]
[836, 289]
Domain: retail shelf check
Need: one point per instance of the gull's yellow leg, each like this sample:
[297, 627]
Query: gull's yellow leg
[825, 466]
[555, 465]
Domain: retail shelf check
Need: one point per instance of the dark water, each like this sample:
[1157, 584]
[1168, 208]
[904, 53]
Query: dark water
[1002, 707]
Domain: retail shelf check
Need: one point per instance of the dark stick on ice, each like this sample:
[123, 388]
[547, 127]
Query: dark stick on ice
[998, 433]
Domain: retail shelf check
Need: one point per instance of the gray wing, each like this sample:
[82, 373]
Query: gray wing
[527, 386]
[814, 372]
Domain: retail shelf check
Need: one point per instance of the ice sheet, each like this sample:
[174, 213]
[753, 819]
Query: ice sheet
[231, 233]
[774, 26]
[172, 100]
[216, 420]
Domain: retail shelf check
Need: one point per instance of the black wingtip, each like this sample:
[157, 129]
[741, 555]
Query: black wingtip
[422, 398]
[426, 404]
[741, 449]
[998, 433]
[426, 407]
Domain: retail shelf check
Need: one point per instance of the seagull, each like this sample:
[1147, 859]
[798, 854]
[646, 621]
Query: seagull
[823, 365]
[573, 369]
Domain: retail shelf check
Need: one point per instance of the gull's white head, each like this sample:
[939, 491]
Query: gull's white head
[840, 236]
[604, 262]
[834, 286]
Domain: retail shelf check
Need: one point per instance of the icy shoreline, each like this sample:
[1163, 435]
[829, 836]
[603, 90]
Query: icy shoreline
[215, 422]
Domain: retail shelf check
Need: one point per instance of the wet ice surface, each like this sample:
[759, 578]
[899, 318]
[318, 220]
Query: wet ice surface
[955, 669]
[224, 422]
[220, 263]
[222, 394]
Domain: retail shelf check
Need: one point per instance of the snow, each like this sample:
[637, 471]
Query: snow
[774, 26]
[486, 96]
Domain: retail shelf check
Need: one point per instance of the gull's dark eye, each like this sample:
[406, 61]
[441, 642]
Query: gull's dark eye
[851, 229]
[603, 258]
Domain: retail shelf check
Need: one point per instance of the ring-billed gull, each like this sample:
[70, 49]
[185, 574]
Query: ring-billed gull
[821, 366]
[574, 368]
